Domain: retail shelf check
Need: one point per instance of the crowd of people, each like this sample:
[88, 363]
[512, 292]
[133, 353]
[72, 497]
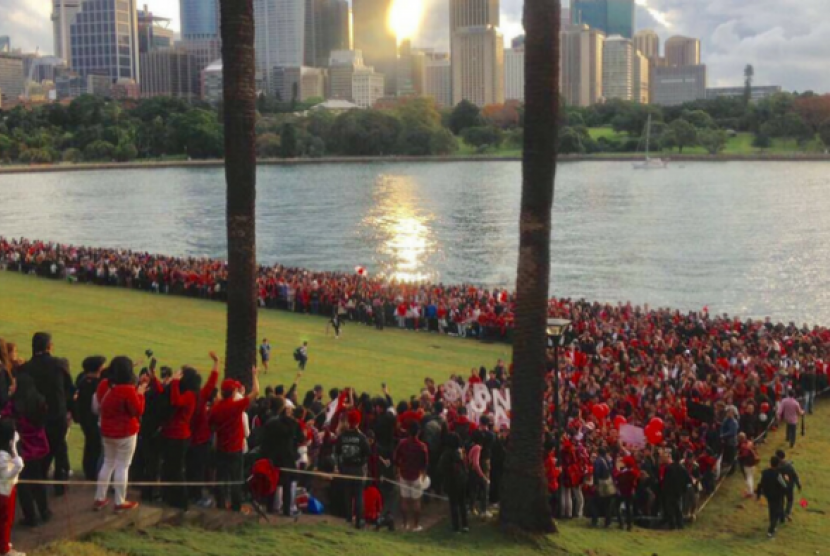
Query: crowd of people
[698, 391]
[465, 310]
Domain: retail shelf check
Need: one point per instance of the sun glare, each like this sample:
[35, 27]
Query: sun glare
[405, 18]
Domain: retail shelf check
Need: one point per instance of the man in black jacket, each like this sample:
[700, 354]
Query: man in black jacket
[53, 381]
[675, 484]
[352, 451]
[774, 488]
[280, 443]
[86, 386]
[790, 475]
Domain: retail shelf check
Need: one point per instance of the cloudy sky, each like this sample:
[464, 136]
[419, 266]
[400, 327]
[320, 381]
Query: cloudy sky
[786, 40]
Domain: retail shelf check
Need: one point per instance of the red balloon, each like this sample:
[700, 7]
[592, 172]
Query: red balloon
[619, 421]
[765, 407]
[654, 436]
[597, 411]
[606, 411]
[657, 423]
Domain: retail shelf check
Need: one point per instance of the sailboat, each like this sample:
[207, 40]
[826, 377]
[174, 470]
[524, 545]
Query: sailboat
[650, 163]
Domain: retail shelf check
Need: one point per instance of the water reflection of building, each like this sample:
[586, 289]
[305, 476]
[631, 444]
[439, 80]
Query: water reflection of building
[402, 230]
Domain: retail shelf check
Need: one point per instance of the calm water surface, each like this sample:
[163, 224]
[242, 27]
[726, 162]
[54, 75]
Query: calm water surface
[751, 239]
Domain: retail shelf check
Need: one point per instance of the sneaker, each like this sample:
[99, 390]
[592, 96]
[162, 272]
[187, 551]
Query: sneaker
[417, 529]
[100, 504]
[126, 506]
[13, 552]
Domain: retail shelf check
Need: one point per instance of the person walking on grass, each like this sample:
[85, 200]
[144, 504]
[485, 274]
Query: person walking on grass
[301, 356]
[412, 460]
[789, 412]
[121, 408]
[792, 479]
[265, 354]
[773, 487]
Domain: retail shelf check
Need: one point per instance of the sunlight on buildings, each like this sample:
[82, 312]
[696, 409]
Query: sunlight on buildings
[405, 18]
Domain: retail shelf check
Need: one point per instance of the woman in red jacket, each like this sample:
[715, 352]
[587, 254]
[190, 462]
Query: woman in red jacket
[184, 391]
[121, 407]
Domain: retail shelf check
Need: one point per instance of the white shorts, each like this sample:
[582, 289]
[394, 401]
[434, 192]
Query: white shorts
[411, 490]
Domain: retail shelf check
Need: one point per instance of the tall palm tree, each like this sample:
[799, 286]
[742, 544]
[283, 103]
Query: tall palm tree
[524, 500]
[239, 77]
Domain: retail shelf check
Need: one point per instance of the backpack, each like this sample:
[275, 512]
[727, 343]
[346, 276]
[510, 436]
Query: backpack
[298, 354]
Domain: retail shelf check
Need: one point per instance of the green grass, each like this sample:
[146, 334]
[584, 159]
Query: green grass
[729, 525]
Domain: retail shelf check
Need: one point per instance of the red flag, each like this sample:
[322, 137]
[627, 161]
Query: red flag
[803, 503]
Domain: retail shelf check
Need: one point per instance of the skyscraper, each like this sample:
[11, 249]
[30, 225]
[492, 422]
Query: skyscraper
[648, 43]
[169, 73]
[153, 32]
[618, 68]
[350, 79]
[677, 85]
[376, 39]
[63, 14]
[682, 51]
[438, 79]
[411, 67]
[280, 36]
[11, 78]
[332, 29]
[640, 82]
[582, 64]
[514, 73]
[612, 17]
[200, 28]
[477, 52]
[5, 44]
[104, 39]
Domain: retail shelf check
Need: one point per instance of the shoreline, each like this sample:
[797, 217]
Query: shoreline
[218, 163]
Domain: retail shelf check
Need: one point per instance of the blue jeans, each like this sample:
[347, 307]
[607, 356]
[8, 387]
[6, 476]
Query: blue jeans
[809, 400]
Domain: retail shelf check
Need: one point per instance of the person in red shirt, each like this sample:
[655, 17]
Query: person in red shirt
[184, 389]
[627, 479]
[372, 505]
[121, 407]
[226, 421]
[198, 454]
[412, 460]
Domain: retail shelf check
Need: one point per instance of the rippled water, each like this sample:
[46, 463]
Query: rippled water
[745, 238]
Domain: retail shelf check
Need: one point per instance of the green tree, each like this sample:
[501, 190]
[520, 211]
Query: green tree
[464, 115]
[125, 152]
[823, 133]
[99, 151]
[288, 142]
[761, 140]
[268, 145]
[796, 128]
[419, 111]
[365, 133]
[570, 142]
[713, 140]
[699, 119]
[73, 156]
[685, 134]
[198, 134]
[483, 136]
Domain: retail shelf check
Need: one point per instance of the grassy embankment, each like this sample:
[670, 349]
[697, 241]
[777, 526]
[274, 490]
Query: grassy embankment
[87, 319]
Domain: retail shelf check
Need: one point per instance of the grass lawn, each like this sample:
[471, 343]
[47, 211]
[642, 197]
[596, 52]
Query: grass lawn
[729, 525]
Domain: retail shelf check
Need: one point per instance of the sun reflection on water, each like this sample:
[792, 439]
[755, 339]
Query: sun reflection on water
[402, 229]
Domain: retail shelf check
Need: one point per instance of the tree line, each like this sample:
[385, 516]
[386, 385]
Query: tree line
[94, 129]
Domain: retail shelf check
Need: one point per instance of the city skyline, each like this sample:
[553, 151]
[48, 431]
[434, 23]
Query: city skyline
[786, 46]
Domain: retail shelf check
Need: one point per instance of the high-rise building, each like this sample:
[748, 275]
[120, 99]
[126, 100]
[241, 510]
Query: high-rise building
[169, 73]
[514, 74]
[411, 68]
[104, 39]
[200, 30]
[581, 65]
[375, 38]
[478, 65]
[153, 31]
[438, 79]
[565, 18]
[759, 92]
[332, 29]
[518, 42]
[618, 68]
[648, 43]
[12, 80]
[682, 51]
[5, 44]
[675, 85]
[612, 17]
[63, 15]
[299, 84]
[212, 82]
[350, 79]
[477, 52]
[280, 36]
[640, 82]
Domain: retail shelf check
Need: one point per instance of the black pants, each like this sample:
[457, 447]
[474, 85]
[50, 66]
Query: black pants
[151, 447]
[58, 452]
[92, 450]
[229, 469]
[354, 497]
[458, 508]
[787, 504]
[287, 480]
[629, 510]
[775, 508]
[30, 496]
[792, 434]
[673, 511]
[602, 507]
[172, 471]
[196, 466]
[728, 462]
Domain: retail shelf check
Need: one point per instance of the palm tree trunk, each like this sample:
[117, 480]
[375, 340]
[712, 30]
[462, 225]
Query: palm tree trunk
[524, 494]
[240, 173]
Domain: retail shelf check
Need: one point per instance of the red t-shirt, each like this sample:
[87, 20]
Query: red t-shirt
[121, 409]
[199, 424]
[226, 419]
[372, 504]
[412, 458]
[184, 404]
